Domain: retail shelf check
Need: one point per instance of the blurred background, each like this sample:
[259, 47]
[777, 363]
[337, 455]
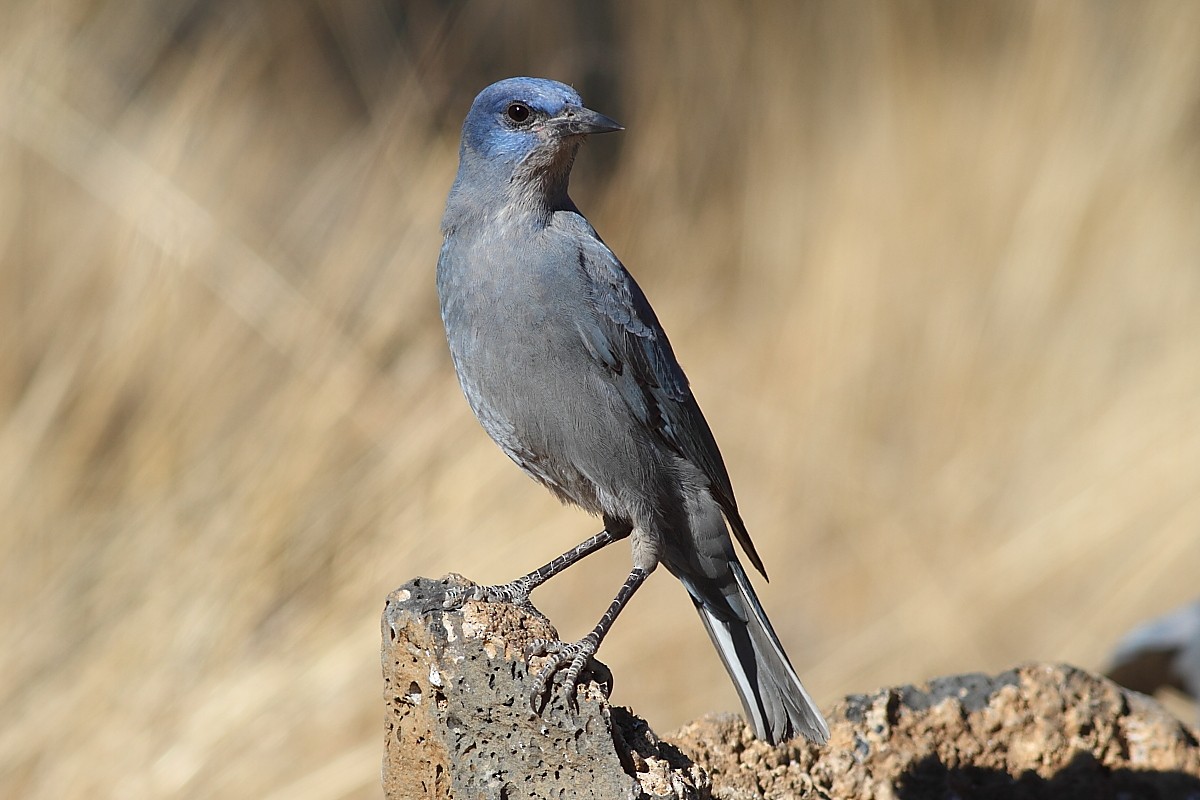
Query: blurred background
[933, 269]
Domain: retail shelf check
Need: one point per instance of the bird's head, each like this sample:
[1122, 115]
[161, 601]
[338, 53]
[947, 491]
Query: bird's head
[517, 118]
[527, 131]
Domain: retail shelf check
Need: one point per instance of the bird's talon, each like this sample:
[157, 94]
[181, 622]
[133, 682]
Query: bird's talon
[568, 659]
[457, 596]
[515, 593]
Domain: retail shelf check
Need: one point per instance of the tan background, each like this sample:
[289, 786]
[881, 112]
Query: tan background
[933, 269]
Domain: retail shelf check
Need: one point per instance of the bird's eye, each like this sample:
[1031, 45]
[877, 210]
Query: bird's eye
[518, 112]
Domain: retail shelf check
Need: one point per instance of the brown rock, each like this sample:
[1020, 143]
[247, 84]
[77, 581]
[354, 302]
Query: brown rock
[459, 725]
[1038, 731]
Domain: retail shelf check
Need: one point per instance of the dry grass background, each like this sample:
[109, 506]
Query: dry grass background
[934, 270]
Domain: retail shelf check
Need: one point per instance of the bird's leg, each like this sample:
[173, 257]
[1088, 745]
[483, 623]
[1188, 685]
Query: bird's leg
[574, 656]
[517, 591]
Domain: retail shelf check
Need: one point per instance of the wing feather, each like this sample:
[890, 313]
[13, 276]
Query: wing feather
[627, 339]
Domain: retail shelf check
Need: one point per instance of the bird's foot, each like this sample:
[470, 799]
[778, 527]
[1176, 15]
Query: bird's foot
[569, 659]
[516, 593]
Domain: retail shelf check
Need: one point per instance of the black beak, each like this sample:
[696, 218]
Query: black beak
[581, 121]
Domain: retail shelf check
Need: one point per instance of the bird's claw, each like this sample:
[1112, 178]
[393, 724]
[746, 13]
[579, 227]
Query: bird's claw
[516, 593]
[567, 658]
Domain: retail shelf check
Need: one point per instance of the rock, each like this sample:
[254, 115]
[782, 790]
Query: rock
[459, 724]
[1038, 731]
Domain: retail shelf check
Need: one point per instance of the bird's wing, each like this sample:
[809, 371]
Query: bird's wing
[628, 340]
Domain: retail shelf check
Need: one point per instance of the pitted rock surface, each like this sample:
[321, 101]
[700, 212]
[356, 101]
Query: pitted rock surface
[460, 724]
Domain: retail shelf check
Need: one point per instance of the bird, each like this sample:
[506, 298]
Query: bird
[567, 368]
[1162, 652]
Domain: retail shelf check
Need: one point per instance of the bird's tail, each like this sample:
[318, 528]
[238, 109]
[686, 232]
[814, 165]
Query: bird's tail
[775, 701]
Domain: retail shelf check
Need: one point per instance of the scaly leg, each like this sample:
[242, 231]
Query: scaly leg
[575, 656]
[517, 592]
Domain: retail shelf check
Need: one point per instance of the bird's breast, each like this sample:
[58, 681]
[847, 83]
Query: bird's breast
[510, 311]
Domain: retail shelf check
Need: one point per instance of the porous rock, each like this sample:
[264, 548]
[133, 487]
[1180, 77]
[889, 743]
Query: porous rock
[460, 722]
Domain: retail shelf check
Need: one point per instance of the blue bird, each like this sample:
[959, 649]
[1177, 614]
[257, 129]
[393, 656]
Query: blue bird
[1163, 652]
[569, 371]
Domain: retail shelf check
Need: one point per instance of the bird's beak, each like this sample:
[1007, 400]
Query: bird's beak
[580, 121]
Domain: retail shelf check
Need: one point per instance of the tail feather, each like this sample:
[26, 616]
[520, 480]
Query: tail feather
[776, 703]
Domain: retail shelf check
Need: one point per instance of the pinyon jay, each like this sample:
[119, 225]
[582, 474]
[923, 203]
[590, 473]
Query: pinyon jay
[567, 368]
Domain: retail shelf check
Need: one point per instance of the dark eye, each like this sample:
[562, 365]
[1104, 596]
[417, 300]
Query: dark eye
[518, 112]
